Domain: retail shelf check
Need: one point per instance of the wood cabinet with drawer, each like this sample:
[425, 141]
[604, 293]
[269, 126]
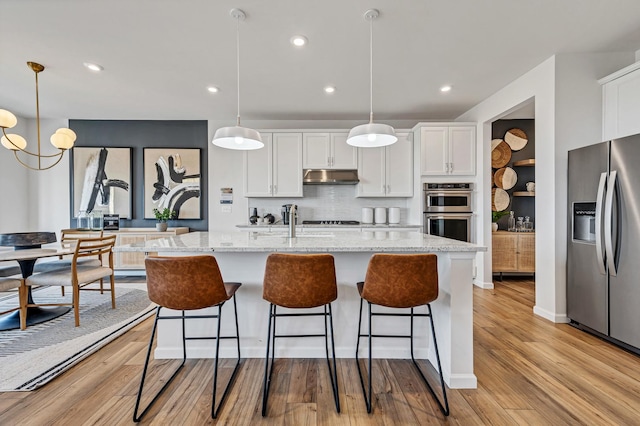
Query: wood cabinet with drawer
[135, 260]
[514, 252]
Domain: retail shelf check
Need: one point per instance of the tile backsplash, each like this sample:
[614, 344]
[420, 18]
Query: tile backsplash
[327, 202]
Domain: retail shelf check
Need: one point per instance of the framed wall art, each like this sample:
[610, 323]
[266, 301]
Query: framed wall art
[172, 180]
[101, 181]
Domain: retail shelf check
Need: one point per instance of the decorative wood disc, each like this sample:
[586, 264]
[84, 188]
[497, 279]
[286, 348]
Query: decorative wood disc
[516, 138]
[500, 153]
[499, 200]
[505, 178]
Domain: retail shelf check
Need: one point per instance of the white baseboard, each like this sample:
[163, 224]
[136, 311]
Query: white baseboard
[553, 317]
[484, 285]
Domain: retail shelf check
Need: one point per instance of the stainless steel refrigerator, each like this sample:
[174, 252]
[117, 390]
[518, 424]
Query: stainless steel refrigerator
[603, 259]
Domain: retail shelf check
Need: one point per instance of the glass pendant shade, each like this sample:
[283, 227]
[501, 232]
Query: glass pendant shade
[7, 119]
[372, 135]
[63, 138]
[13, 142]
[237, 137]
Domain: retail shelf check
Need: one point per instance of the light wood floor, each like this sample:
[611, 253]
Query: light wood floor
[530, 371]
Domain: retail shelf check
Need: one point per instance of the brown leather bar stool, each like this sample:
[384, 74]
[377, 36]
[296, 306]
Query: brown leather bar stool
[184, 284]
[400, 281]
[299, 281]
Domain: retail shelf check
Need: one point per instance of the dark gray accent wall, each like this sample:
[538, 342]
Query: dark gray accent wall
[521, 206]
[146, 134]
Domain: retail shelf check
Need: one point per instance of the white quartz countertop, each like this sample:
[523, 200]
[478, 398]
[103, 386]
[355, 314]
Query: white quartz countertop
[316, 242]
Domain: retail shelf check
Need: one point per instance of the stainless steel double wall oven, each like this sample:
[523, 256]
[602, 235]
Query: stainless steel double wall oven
[447, 210]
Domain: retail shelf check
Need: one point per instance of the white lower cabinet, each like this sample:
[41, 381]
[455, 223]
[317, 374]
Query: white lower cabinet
[386, 171]
[276, 169]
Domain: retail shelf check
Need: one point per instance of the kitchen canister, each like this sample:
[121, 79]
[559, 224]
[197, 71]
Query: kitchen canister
[394, 215]
[381, 215]
[367, 215]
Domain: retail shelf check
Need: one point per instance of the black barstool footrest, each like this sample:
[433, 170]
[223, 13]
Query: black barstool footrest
[271, 336]
[214, 408]
[444, 407]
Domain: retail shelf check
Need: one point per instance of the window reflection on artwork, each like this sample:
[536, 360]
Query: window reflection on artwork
[172, 180]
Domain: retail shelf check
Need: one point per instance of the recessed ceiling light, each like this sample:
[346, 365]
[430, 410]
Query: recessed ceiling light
[93, 67]
[213, 89]
[329, 89]
[299, 40]
[446, 88]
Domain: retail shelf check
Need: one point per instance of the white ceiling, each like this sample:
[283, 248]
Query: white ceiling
[159, 55]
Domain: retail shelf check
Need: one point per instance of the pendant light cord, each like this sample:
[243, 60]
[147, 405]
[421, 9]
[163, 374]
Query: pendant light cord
[238, 65]
[371, 70]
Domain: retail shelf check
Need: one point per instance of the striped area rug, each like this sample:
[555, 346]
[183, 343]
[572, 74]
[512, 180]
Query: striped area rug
[35, 356]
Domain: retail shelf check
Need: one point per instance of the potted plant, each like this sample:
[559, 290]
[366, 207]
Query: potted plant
[162, 216]
[495, 217]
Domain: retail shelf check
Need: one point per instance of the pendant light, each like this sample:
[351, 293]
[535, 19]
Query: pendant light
[237, 137]
[371, 135]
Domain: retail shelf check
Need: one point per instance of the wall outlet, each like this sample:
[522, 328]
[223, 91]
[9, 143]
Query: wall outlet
[226, 209]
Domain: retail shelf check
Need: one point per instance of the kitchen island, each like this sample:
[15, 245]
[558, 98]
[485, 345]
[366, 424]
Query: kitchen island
[242, 257]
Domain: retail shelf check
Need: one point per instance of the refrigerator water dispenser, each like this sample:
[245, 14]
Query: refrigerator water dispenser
[584, 222]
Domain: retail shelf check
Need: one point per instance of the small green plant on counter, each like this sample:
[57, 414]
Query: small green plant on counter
[495, 216]
[164, 215]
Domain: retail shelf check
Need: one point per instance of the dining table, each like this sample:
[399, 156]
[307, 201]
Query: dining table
[27, 249]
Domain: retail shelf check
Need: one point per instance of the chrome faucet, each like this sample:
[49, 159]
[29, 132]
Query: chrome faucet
[292, 221]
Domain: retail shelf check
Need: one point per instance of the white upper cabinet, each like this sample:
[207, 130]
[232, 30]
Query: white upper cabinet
[276, 169]
[328, 151]
[448, 149]
[386, 171]
[621, 103]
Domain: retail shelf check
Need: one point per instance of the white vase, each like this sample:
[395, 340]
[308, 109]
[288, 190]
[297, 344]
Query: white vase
[161, 226]
[494, 226]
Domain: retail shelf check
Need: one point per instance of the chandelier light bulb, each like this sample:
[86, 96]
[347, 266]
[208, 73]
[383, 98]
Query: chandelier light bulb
[13, 142]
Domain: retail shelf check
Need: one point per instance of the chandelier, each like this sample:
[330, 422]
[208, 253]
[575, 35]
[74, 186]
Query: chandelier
[62, 139]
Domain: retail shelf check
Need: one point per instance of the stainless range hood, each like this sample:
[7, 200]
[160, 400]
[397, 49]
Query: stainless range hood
[330, 177]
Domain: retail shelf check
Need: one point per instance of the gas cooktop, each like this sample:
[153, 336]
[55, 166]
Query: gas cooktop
[330, 222]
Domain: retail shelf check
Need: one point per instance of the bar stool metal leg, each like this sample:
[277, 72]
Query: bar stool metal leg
[269, 369]
[136, 417]
[444, 407]
[333, 375]
[271, 347]
[367, 399]
[443, 403]
[216, 409]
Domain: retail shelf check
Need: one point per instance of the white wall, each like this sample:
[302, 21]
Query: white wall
[34, 200]
[568, 114]
[14, 188]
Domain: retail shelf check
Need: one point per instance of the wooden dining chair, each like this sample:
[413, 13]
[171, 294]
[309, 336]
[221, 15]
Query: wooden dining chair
[67, 238]
[78, 275]
[9, 283]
